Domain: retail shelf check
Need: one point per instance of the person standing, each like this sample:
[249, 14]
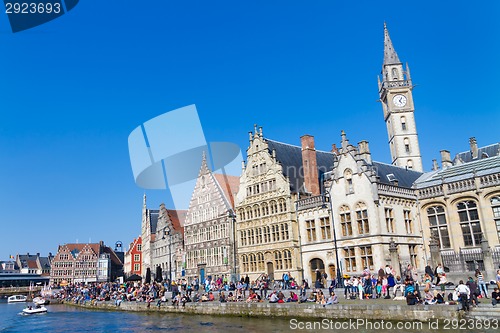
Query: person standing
[463, 292]
[481, 284]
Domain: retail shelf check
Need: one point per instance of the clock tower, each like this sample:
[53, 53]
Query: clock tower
[395, 90]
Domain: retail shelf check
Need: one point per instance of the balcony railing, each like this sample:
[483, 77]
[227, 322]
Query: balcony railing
[311, 202]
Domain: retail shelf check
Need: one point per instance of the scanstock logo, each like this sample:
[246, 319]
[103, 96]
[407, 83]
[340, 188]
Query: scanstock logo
[26, 14]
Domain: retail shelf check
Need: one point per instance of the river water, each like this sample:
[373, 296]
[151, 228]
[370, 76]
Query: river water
[61, 318]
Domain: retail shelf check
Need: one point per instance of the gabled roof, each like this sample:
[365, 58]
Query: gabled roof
[483, 152]
[229, 185]
[405, 177]
[76, 248]
[112, 255]
[177, 217]
[290, 158]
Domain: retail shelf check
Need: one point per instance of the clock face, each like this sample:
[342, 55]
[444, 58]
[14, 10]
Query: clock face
[399, 100]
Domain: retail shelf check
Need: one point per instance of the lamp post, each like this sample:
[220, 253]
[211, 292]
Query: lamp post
[232, 216]
[166, 230]
[339, 277]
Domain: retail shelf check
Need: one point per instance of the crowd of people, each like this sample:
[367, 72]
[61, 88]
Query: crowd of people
[432, 288]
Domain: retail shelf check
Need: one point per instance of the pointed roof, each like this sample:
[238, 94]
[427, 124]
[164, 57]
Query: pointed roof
[229, 185]
[390, 55]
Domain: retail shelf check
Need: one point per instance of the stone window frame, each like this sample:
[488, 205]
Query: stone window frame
[362, 218]
[311, 230]
[345, 220]
[470, 222]
[495, 206]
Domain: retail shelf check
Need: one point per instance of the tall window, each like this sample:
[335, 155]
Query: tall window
[324, 224]
[438, 226]
[408, 221]
[389, 220]
[260, 262]
[349, 189]
[287, 257]
[403, 123]
[137, 257]
[244, 261]
[345, 221]
[366, 256]
[362, 218]
[413, 255]
[469, 221]
[276, 233]
[495, 205]
[278, 260]
[267, 234]
[350, 259]
[311, 230]
[407, 144]
[139, 247]
[253, 262]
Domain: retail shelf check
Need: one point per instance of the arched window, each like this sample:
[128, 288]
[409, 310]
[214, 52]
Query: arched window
[394, 74]
[278, 260]
[349, 189]
[362, 218]
[260, 262]
[244, 261]
[438, 226]
[287, 256]
[345, 221]
[407, 144]
[409, 164]
[403, 123]
[253, 262]
[495, 205]
[469, 221]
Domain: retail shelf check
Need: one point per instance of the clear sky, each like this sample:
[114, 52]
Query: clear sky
[72, 90]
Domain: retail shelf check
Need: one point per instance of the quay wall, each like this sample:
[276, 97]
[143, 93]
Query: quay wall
[388, 312]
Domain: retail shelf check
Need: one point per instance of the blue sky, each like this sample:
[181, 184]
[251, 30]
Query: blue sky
[72, 90]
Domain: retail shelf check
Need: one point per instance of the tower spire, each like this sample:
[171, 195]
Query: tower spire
[390, 55]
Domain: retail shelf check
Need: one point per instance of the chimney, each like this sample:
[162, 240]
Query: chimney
[38, 254]
[309, 164]
[335, 150]
[473, 147]
[445, 158]
[364, 151]
[435, 165]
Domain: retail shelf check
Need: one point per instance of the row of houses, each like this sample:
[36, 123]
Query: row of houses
[295, 209]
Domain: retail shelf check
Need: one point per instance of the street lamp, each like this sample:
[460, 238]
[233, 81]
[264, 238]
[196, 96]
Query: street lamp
[166, 230]
[339, 277]
[232, 216]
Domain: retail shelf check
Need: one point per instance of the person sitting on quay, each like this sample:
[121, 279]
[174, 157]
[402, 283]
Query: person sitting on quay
[320, 297]
[304, 287]
[293, 297]
[273, 298]
[474, 291]
[429, 296]
[495, 297]
[281, 297]
[333, 299]
[413, 298]
[442, 281]
[222, 297]
[439, 297]
[252, 297]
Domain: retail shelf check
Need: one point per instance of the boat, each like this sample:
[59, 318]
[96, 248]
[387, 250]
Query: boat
[17, 298]
[40, 301]
[34, 309]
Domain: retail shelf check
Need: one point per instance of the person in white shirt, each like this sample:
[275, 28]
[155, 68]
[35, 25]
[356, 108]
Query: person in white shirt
[464, 293]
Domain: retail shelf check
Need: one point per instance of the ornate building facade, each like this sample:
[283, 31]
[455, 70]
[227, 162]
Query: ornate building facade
[460, 209]
[209, 229]
[133, 258]
[267, 228]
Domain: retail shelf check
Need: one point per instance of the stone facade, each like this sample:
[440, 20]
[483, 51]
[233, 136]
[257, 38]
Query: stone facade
[267, 229]
[460, 209]
[209, 229]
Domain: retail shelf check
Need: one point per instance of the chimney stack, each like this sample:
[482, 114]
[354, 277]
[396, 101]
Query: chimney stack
[309, 164]
[445, 158]
[335, 150]
[435, 165]
[473, 147]
[364, 151]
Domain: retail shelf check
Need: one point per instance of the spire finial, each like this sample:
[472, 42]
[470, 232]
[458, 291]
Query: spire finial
[390, 55]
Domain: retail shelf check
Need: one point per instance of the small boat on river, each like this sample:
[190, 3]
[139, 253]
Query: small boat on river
[34, 309]
[17, 298]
